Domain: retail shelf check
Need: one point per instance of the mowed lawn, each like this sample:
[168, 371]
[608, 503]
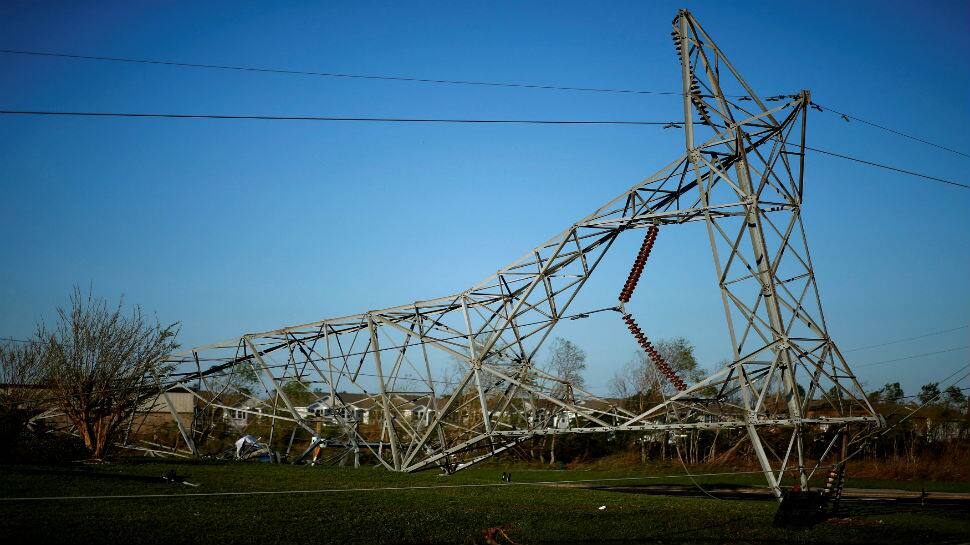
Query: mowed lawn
[446, 511]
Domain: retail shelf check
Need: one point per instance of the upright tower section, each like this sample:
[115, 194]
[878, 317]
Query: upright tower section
[746, 155]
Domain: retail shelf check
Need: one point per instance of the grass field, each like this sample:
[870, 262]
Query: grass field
[445, 512]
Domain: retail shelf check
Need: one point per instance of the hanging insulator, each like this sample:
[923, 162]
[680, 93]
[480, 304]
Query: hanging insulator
[662, 366]
[638, 264]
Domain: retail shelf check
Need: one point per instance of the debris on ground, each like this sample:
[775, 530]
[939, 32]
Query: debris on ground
[171, 476]
[853, 521]
[497, 536]
[249, 448]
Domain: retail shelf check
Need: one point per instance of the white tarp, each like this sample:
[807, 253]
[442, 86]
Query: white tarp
[248, 446]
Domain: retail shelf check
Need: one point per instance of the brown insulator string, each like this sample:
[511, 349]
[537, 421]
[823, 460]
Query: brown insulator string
[631, 284]
[639, 264]
[695, 94]
[655, 356]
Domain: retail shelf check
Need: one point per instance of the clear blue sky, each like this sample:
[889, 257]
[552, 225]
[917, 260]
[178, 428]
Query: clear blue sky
[231, 227]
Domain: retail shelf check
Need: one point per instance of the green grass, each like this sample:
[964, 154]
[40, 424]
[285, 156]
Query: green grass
[748, 477]
[529, 513]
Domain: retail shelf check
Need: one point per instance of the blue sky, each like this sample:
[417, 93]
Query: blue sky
[231, 227]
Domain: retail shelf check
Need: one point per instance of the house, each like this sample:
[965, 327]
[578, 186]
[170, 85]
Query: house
[421, 412]
[341, 405]
[239, 412]
[156, 413]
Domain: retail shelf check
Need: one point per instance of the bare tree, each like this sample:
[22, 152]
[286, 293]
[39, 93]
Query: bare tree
[567, 361]
[20, 396]
[637, 383]
[99, 363]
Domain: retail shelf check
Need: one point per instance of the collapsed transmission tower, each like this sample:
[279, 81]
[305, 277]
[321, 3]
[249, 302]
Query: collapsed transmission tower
[741, 175]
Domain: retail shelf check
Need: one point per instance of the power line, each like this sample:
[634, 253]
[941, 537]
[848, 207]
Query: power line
[340, 74]
[666, 124]
[439, 81]
[894, 131]
[11, 339]
[905, 340]
[911, 357]
[332, 118]
[888, 167]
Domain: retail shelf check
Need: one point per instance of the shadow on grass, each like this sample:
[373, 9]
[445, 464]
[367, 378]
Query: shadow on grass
[849, 508]
[694, 534]
[92, 473]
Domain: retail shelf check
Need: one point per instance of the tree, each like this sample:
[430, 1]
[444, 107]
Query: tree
[298, 392]
[679, 353]
[637, 382]
[99, 364]
[929, 393]
[641, 385]
[891, 393]
[954, 396]
[567, 361]
[240, 378]
[20, 397]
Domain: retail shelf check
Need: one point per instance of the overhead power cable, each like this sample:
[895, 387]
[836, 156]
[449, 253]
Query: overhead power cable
[888, 167]
[665, 124]
[911, 357]
[893, 131]
[13, 340]
[439, 81]
[877, 345]
[339, 74]
[336, 118]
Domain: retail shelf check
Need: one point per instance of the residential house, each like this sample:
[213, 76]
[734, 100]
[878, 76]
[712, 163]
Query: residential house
[341, 405]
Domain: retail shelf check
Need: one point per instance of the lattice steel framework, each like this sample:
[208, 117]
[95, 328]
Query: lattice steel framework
[741, 175]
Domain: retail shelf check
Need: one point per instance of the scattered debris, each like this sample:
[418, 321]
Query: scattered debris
[492, 535]
[249, 448]
[602, 508]
[172, 477]
[853, 521]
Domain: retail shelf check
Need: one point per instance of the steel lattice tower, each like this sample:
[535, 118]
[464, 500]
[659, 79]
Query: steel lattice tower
[741, 174]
